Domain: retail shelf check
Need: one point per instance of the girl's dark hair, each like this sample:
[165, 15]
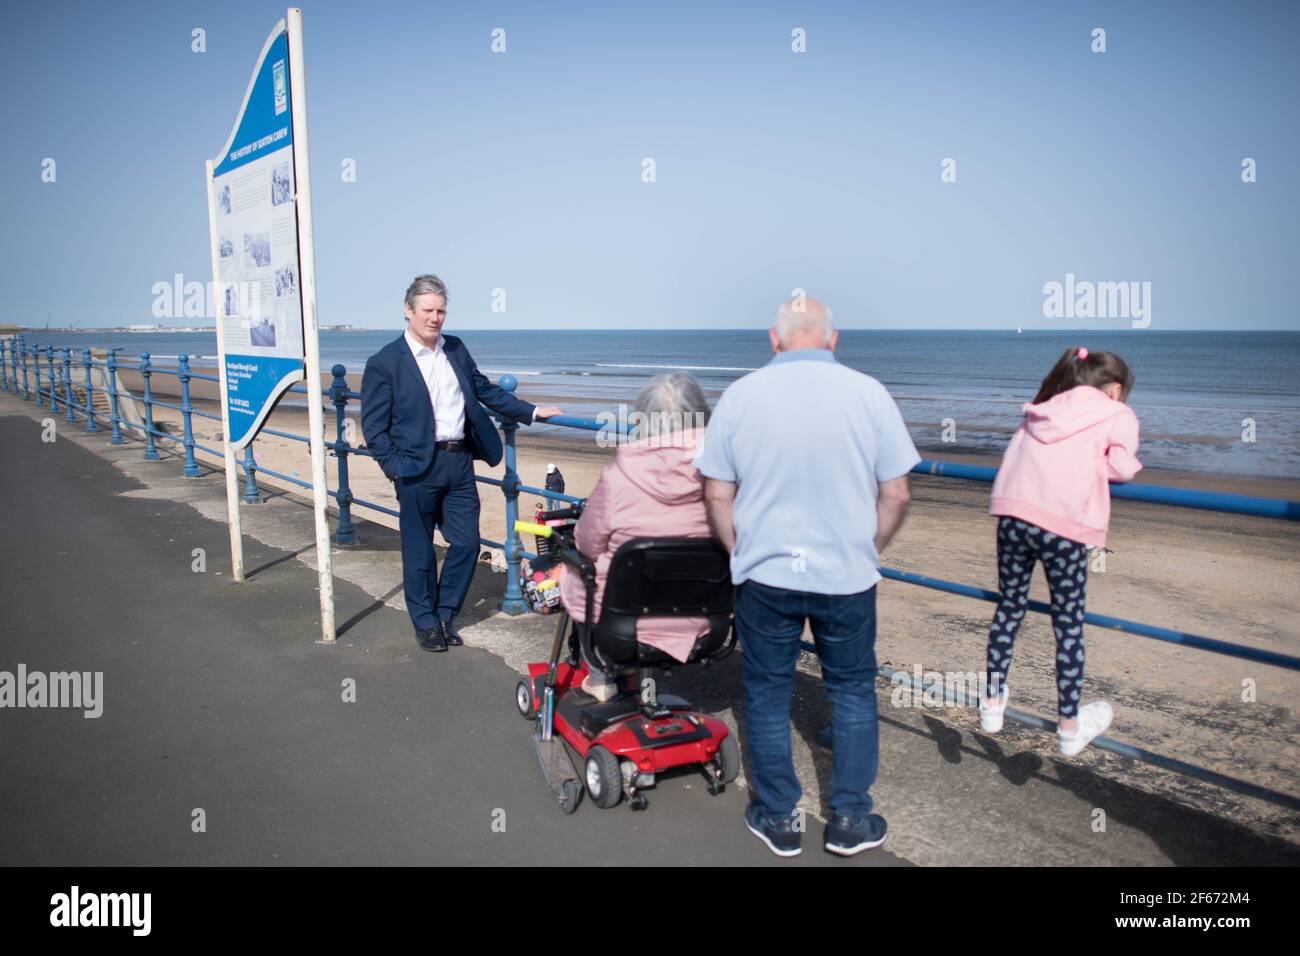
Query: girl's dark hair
[1098, 369]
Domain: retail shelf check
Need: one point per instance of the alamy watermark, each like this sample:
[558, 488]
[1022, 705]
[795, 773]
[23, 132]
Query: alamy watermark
[179, 299]
[658, 429]
[937, 689]
[127, 910]
[73, 689]
[1084, 299]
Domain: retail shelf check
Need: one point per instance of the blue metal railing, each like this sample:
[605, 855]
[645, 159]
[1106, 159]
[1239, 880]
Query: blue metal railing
[21, 362]
[1155, 494]
[20, 373]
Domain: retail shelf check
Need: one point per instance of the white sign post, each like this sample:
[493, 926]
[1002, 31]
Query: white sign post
[232, 474]
[311, 330]
[259, 209]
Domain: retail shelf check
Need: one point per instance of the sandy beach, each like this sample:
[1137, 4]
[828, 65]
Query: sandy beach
[1224, 576]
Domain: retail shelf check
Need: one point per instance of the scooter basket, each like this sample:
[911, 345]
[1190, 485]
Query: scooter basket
[541, 587]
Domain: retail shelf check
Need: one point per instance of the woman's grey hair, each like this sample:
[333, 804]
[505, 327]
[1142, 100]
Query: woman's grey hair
[670, 403]
[423, 284]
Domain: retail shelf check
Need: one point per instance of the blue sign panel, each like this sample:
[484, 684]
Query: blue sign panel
[254, 201]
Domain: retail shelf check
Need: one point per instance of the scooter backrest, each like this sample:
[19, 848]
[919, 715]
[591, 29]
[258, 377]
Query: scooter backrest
[669, 577]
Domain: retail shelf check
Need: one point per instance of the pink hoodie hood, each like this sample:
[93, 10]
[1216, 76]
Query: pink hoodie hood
[662, 467]
[1058, 466]
[1069, 413]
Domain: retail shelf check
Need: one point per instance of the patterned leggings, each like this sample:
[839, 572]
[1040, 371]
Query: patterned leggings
[1020, 544]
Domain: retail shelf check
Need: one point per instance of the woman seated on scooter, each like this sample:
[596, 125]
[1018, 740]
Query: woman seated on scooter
[650, 490]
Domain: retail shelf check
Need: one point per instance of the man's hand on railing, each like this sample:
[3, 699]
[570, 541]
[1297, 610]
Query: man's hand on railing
[544, 412]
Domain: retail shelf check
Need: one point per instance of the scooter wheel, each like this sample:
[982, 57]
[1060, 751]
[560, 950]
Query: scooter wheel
[572, 794]
[729, 758]
[524, 699]
[604, 778]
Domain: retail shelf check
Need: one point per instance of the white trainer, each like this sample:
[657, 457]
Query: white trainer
[602, 690]
[991, 715]
[1094, 718]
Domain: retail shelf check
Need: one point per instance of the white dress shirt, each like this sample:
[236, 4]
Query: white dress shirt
[445, 396]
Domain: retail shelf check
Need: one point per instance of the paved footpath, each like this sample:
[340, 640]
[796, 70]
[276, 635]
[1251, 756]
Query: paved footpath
[217, 697]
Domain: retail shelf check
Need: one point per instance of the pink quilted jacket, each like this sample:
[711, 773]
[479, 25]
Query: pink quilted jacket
[1057, 469]
[651, 489]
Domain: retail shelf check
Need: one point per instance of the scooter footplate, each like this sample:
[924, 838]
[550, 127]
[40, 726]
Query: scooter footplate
[557, 766]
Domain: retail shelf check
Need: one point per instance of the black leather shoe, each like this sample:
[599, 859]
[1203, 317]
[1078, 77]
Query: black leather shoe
[449, 634]
[431, 640]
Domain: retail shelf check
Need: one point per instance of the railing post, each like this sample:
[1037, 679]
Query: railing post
[4, 368]
[116, 437]
[90, 393]
[49, 369]
[183, 374]
[67, 382]
[36, 364]
[346, 532]
[150, 449]
[22, 354]
[513, 601]
[251, 495]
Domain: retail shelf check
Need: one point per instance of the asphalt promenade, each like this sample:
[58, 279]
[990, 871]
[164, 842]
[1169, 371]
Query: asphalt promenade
[218, 698]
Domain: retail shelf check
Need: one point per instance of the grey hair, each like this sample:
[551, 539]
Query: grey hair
[792, 320]
[670, 403]
[424, 284]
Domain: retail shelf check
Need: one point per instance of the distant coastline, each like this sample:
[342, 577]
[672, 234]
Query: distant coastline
[145, 329]
[6, 328]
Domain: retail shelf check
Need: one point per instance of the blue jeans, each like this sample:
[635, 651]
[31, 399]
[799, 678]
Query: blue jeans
[770, 623]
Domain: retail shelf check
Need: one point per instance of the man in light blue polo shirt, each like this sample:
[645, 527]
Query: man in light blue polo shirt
[806, 464]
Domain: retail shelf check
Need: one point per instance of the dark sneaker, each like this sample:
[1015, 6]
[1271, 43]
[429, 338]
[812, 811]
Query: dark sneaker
[846, 835]
[779, 834]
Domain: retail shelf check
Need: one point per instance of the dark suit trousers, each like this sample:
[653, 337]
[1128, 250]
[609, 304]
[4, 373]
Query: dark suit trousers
[444, 496]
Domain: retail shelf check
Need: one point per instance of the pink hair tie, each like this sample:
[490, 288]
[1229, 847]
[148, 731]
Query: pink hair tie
[1081, 354]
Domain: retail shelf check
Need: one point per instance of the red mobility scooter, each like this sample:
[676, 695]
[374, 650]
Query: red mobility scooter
[622, 744]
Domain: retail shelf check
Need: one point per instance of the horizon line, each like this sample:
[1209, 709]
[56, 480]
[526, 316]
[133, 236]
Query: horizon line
[195, 330]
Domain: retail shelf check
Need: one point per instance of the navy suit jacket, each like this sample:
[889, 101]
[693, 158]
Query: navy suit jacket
[397, 417]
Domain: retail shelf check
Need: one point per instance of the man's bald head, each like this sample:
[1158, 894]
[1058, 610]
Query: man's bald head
[803, 323]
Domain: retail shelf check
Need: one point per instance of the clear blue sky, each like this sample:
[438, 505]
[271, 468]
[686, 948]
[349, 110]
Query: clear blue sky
[775, 170]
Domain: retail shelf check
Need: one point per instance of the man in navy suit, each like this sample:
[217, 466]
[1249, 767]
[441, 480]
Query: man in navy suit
[424, 424]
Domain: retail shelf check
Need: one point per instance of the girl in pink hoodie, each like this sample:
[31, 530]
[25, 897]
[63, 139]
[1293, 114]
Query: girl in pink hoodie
[1052, 496]
[650, 490]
